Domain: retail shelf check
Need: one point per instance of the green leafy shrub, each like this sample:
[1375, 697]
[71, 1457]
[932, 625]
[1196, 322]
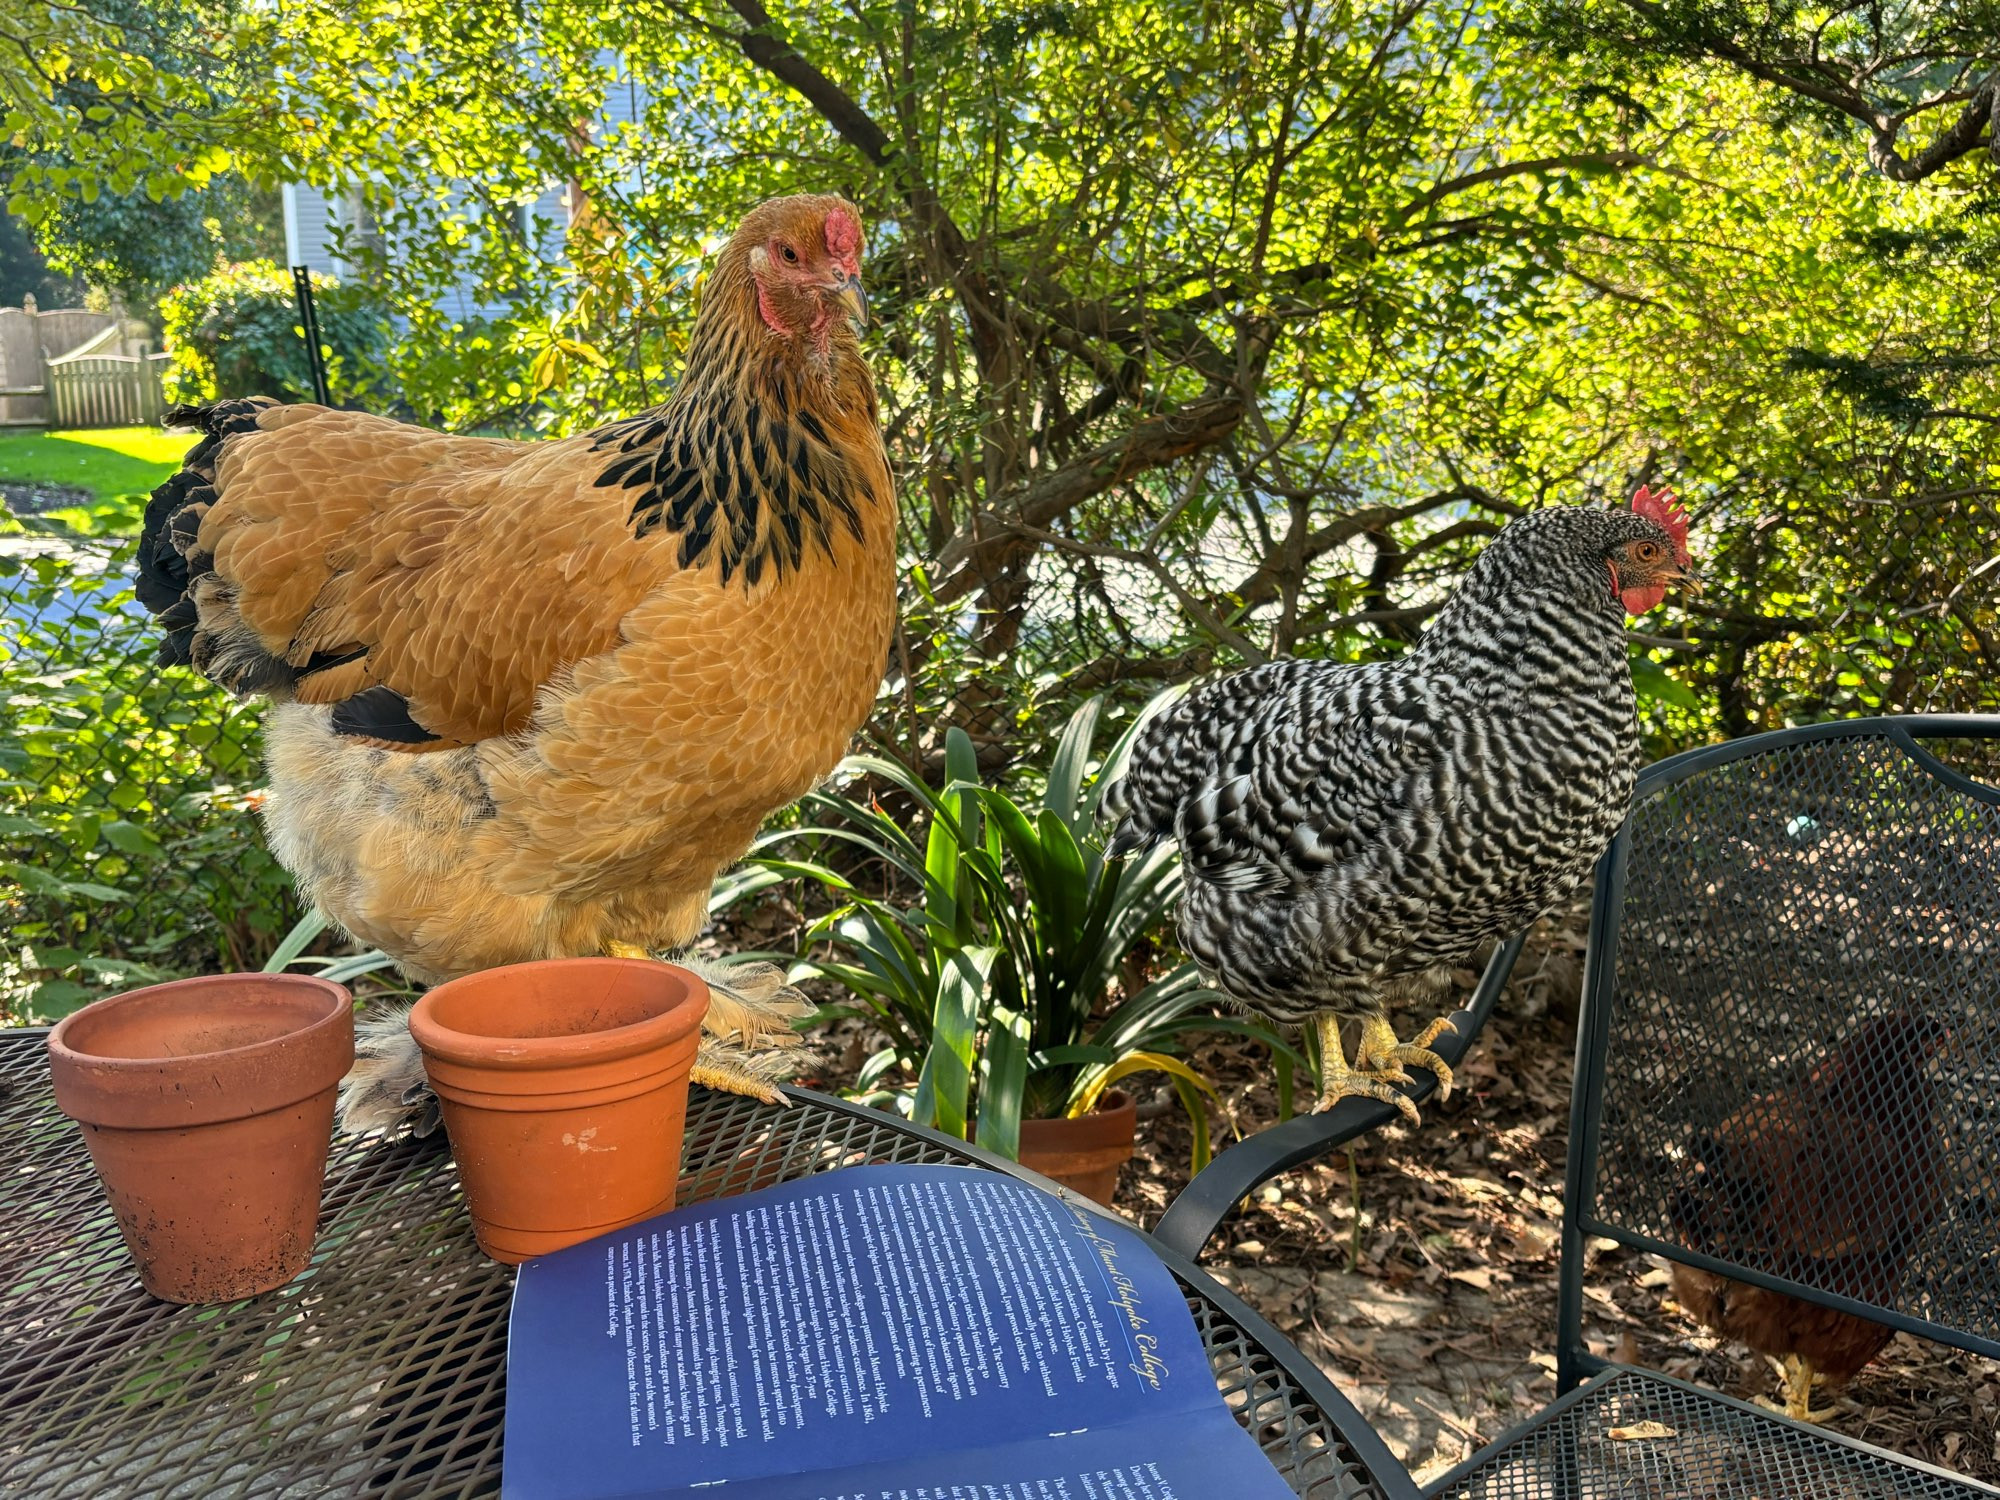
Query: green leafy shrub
[1006, 990]
[236, 332]
[128, 846]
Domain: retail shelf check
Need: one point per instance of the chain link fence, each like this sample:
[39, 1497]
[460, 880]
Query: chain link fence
[128, 846]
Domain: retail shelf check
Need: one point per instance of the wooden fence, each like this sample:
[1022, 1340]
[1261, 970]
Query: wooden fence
[71, 368]
[93, 386]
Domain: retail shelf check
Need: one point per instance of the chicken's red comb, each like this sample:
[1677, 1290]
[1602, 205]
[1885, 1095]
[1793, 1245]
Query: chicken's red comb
[843, 233]
[1664, 506]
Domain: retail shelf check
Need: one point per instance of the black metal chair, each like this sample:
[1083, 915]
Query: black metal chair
[1773, 906]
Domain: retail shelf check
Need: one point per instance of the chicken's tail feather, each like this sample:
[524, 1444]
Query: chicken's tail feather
[750, 1046]
[386, 1087]
[1130, 838]
[176, 577]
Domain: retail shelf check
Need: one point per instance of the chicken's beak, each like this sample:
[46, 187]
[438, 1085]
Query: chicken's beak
[1688, 580]
[849, 295]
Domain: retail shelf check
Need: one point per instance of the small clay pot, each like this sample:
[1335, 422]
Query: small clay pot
[564, 1086]
[207, 1105]
[1084, 1153]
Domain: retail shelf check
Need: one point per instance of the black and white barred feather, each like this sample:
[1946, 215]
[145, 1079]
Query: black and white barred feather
[1347, 828]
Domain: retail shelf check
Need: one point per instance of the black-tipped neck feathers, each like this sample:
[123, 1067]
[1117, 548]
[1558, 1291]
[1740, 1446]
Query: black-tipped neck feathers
[742, 464]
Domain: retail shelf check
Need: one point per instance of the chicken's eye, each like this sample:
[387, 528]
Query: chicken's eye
[791, 255]
[1647, 551]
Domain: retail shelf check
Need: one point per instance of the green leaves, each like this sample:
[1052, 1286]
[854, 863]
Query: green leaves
[127, 849]
[292, 951]
[87, 112]
[41, 883]
[236, 332]
[308, 927]
[129, 837]
[944, 1085]
[997, 989]
[1652, 683]
[1442, 268]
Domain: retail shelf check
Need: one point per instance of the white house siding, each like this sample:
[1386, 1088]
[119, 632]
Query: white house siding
[309, 228]
[311, 216]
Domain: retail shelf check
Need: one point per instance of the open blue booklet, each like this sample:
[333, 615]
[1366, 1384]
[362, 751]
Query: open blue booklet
[877, 1333]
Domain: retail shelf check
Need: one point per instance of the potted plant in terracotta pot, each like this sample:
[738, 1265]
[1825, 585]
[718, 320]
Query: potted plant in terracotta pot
[207, 1105]
[1007, 990]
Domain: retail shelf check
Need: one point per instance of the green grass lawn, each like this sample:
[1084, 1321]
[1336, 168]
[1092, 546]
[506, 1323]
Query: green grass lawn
[118, 465]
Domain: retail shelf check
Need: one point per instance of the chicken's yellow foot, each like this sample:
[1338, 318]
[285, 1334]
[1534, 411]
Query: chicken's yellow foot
[1797, 1377]
[1378, 1052]
[717, 1074]
[1370, 1078]
[741, 1055]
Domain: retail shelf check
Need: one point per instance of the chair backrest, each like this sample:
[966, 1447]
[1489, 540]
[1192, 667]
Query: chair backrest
[1788, 1068]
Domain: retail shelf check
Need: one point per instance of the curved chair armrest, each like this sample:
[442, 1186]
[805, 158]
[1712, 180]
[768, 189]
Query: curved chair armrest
[1204, 1203]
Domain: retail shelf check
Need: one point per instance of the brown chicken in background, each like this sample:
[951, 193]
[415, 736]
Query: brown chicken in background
[529, 698]
[1833, 1182]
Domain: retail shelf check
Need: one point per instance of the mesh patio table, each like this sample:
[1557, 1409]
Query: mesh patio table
[380, 1370]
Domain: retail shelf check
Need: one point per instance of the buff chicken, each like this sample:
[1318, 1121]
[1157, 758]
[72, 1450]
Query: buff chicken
[1350, 831]
[529, 698]
[1832, 1182]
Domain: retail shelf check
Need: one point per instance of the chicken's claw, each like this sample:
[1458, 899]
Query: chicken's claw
[1349, 1085]
[1797, 1378]
[1378, 1052]
[1379, 1062]
[730, 1077]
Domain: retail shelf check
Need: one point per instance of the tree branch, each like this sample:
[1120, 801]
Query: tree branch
[1818, 80]
[765, 45]
[1610, 161]
[1049, 496]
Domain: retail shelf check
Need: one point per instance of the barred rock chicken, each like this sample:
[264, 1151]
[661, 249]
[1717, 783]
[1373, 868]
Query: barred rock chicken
[1349, 831]
[1833, 1183]
[530, 697]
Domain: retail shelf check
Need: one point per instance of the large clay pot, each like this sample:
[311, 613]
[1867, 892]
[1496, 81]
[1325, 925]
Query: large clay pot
[564, 1086]
[1084, 1153]
[207, 1105]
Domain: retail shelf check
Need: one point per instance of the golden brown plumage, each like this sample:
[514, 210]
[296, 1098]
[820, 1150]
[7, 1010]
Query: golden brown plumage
[1832, 1183]
[529, 698]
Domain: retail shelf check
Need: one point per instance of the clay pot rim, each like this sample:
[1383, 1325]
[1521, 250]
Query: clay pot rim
[477, 1050]
[340, 995]
[195, 1090]
[1113, 1101]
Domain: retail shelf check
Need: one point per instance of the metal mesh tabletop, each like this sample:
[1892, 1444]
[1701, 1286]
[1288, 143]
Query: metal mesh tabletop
[1585, 1448]
[380, 1370]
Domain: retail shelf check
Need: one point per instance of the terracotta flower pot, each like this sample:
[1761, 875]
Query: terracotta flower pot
[207, 1105]
[564, 1086]
[1084, 1153]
